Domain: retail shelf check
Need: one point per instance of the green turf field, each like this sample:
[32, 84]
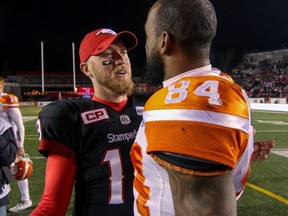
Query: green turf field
[265, 195]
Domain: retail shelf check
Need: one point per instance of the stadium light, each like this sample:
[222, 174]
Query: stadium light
[42, 65]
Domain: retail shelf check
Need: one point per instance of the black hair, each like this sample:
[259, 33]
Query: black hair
[192, 23]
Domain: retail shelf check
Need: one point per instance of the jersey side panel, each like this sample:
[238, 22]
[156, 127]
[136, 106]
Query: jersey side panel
[151, 183]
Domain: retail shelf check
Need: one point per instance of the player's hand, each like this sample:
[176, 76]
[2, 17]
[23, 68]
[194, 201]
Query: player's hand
[262, 149]
[20, 151]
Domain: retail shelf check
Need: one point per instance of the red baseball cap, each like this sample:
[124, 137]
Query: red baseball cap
[99, 40]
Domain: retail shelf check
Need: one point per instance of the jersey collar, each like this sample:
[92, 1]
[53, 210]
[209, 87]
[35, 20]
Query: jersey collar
[116, 106]
[2, 94]
[203, 71]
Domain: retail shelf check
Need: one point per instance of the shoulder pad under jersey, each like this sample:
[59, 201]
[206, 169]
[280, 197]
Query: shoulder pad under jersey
[9, 101]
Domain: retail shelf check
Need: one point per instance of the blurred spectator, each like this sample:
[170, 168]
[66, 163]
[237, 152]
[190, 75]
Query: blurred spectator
[270, 81]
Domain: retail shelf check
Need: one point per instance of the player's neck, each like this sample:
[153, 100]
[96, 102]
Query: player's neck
[104, 93]
[108, 95]
[118, 106]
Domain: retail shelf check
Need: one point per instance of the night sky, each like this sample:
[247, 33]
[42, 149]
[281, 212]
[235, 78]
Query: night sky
[243, 26]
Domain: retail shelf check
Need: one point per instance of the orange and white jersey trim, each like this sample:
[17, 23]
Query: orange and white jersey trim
[215, 118]
[152, 194]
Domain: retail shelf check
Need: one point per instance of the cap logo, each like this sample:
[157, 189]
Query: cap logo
[106, 31]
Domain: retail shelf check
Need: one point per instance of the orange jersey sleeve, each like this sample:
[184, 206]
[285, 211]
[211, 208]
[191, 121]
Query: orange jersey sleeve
[9, 101]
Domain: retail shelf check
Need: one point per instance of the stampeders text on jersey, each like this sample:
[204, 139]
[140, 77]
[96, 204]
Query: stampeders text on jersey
[120, 137]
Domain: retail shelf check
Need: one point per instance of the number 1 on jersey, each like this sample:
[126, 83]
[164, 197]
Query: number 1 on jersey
[113, 159]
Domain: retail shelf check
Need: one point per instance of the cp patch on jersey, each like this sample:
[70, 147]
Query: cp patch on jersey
[124, 119]
[96, 115]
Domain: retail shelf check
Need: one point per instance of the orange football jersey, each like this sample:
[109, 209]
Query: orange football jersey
[201, 113]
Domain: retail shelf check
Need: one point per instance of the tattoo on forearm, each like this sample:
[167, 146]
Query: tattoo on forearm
[200, 195]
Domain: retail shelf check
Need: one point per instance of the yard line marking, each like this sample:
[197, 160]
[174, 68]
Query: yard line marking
[37, 158]
[274, 131]
[31, 138]
[31, 135]
[279, 122]
[277, 112]
[268, 193]
[29, 118]
[280, 149]
[281, 152]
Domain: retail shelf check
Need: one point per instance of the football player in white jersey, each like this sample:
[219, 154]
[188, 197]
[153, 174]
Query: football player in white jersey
[9, 109]
[193, 150]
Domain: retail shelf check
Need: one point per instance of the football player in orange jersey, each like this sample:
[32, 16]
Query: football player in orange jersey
[9, 109]
[193, 150]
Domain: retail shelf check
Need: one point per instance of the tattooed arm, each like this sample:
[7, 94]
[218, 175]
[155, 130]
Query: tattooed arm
[202, 195]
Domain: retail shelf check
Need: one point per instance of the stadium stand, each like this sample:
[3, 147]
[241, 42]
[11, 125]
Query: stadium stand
[263, 75]
[28, 85]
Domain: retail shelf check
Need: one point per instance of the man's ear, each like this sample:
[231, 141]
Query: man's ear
[84, 68]
[167, 43]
